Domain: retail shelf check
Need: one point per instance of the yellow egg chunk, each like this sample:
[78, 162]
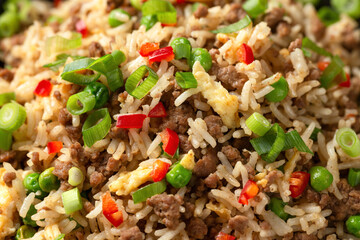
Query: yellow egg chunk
[7, 208]
[188, 160]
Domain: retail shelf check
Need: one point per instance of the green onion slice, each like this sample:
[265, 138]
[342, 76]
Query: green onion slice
[310, 45]
[181, 47]
[348, 141]
[258, 124]
[71, 70]
[243, 23]
[60, 237]
[314, 134]
[80, 103]
[293, 139]
[6, 97]
[12, 116]
[335, 68]
[328, 16]
[76, 176]
[255, 7]
[60, 61]
[186, 80]
[96, 126]
[72, 201]
[57, 43]
[149, 21]
[354, 177]
[148, 191]
[132, 83]
[119, 57]
[5, 140]
[9, 23]
[277, 145]
[349, 7]
[281, 89]
[164, 11]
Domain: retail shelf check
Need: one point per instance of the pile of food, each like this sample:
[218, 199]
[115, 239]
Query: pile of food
[180, 120]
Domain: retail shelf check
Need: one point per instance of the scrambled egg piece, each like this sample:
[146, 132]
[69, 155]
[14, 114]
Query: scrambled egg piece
[225, 104]
[7, 208]
[188, 160]
[130, 181]
[220, 209]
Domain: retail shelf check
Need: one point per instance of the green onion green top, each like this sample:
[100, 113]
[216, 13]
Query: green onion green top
[348, 141]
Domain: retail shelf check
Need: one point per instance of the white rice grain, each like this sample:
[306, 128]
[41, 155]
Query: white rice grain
[26, 205]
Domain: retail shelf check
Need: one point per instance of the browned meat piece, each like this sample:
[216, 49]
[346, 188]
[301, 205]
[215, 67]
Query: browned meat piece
[112, 165]
[112, 4]
[214, 124]
[37, 167]
[133, 233]
[64, 117]
[166, 207]
[232, 154]
[211, 180]
[189, 209]
[177, 118]
[96, 50]
[322, 199]
[65, 186]
[8, 177]
[235, 14]
[297, 43]
[116, 132]
[271, 178]
[206, 165]
[213, 52]
[318, 28]
[300, 102]
[184, 144]
[273, 17]
[96, 179]
[315, 74]
[77, 152]
[79, 234]
[201, 11]
[242, 143]
[74, 132]
[196, 228]
[283, 29]
[304, 236]
[238, 223]
[62, 169]
[57, 95]
[6, 74]
[7, 156]
[88, 206]
[349, 205]
[229, 77]
[350, 40]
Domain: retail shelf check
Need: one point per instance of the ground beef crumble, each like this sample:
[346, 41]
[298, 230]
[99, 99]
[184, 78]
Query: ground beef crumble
[238, 223]
[132, 233]
[206, 165]
[196, 228]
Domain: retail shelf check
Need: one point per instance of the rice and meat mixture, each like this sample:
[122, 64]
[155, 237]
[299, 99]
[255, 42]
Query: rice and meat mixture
[176, 120]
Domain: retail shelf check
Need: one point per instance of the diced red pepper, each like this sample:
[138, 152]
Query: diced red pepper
[57, 3]
[168, 24]
[159, 171]
[323, 65]
[347, 83]
[180, 1]
[224, 236]
[54, 147]
[166, 53]
[249, 191]
[298, 182]
[111, 211]
[43, 89]
[245, 54]
[81, 28]
[170, 141]
[147, 48]
[158, 111]
[130, 121]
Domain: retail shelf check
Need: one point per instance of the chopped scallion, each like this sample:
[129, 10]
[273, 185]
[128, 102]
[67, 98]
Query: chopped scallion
[57, 43]
[281, 89]
[5, 140]
[186, 80]
[80, 103]
[258, 124]
[148, 191]
[310, 45]
[329, 74]
[132, 83]
[71, 72]
[328, 16]
[243, 23]
[255, 7]
[6, 97]
[76, 176]
[354, 177]
[348, 141]
[96, 126]
[12, 116]
[72, 201]
[181, 47]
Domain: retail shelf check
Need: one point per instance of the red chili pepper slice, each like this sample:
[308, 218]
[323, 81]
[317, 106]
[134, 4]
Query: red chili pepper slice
[147, 48]
[43, 89]
[180, 1]
[57, 3]
[249, 191]
[130, 121]
[224, 236]
[322, 65]
[298, 182]
[166, 53]
[158, 111]
[347, 83]
[54, 147]
[81, 28]
[111, 211]
[168, 24]
[170, 141]
[245, 54]
[159, 171]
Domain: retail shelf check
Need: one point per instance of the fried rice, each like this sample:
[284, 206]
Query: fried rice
[209, 121]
